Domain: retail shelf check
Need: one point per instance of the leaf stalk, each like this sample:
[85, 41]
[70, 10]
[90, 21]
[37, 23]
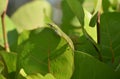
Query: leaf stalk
[6, 45]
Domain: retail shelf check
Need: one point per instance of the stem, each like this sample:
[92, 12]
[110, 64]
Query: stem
[99, 53]
[98, 34]
[6, 45]
[98, 23]
[98, 28]
[98, 31]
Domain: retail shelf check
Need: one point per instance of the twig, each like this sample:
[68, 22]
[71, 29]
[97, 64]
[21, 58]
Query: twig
[6, 45]
[98, 31]
[98, 27]
[98, 23]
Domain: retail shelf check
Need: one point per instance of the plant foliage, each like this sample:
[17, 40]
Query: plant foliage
[84, 46]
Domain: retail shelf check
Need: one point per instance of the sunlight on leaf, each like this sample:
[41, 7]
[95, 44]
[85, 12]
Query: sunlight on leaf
[28, 19]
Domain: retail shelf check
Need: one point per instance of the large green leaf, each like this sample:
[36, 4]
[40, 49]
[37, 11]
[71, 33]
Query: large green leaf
[45, 51]
[11, 32]
[87, 67]
[110, 31]
[31, 15]
[2, 6]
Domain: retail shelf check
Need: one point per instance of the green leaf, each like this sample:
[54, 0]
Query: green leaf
[109, 31]
[94, 18]
[61, 33]
[92, 32]
[72, 27]
[87, 67]
[9, 62]
[2, 6]
[39, 76]
[11, 33]
[80, 41]
[77, 9]
[45, 51]
[28, 19]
